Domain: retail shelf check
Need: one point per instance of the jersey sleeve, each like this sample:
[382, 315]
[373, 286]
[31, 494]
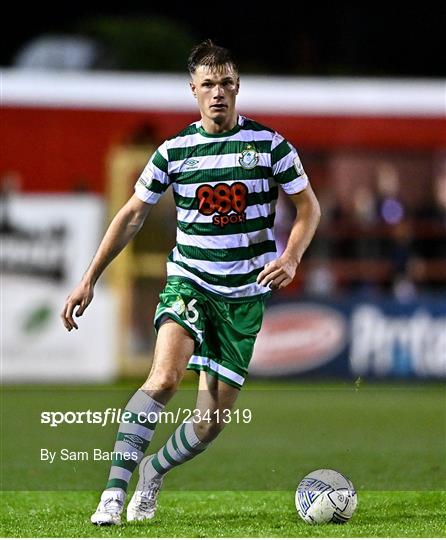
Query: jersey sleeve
[154, 179]
[286, 166]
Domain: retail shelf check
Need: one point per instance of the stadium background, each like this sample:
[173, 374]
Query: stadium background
[353, 352]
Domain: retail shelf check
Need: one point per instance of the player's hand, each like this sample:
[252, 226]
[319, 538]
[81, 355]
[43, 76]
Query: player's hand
[279, 273]
[81, 296]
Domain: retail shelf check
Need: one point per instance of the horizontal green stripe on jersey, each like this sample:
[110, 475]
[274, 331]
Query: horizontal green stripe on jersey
[279, 152]
[155, 186]
[250, 225]
[160, 162]
[222, 174]
[227, 280]
[228, 254]
[215, 149]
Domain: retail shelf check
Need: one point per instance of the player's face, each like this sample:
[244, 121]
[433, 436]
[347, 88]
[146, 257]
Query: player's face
[216, 92]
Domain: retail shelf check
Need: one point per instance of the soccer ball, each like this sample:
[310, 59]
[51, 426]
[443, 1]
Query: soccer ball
[326, 496]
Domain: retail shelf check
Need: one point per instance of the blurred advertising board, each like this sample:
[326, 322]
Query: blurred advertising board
[47, 243]
[353, 338]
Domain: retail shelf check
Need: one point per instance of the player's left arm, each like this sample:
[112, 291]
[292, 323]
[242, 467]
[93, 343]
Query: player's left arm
[280, 272]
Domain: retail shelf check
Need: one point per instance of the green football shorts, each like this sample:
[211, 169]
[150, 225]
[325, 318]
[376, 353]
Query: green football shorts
[224, 332]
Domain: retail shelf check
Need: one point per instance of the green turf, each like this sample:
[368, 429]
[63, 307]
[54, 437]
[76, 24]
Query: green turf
[224, 514]
[389, 439]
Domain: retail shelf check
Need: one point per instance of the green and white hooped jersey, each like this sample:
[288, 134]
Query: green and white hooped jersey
[225, 188]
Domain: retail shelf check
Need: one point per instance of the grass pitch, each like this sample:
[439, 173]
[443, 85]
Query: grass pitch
[224, 514]
[389, 439]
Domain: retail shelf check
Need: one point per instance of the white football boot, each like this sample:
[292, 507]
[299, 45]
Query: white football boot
[143, 503]
[110, 508]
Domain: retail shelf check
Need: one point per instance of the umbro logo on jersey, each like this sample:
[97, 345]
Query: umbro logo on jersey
[191, 163]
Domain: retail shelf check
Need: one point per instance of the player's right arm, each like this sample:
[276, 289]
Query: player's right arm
[127, 222]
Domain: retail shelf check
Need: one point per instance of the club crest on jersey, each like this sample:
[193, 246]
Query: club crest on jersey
[179, 306]
[249, 157]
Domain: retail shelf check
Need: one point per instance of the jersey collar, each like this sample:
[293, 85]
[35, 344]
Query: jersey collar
[235, 129]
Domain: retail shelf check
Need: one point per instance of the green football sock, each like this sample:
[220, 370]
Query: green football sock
[133, 438]
[182, 446]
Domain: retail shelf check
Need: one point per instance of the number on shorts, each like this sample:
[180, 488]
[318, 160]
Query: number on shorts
[191, 313]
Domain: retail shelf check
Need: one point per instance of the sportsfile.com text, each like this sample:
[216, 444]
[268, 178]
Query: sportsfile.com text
[117, 416]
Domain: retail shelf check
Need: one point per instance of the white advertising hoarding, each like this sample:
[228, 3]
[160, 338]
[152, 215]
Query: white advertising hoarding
[46, 244]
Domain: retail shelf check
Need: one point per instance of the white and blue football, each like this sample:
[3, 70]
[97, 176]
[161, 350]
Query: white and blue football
[326, 496]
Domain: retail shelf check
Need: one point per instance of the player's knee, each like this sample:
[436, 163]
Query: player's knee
[208, 431]
[163, 383]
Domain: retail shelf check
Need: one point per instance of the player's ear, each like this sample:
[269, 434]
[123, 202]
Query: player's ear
[238, 85]
[193, 88]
